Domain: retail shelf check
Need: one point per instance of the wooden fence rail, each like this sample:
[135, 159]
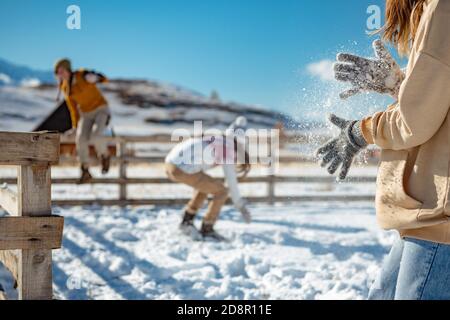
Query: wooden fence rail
[28, 236]
[270, 197]
[125, 156]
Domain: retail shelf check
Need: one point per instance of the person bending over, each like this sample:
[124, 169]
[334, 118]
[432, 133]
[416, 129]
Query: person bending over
[188, 162]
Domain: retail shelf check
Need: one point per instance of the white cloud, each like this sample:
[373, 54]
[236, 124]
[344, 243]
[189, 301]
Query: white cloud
[322, 69]
[5, 78]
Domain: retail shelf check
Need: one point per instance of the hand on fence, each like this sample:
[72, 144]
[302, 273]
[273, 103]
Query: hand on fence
[382, 75]
[70, 133]
[341, 151]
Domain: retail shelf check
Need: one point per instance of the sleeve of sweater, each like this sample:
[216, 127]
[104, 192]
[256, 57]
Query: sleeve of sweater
[424, 98]
[422, 108]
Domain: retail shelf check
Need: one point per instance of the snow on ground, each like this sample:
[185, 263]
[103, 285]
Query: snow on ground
[297, 251]
[292, 251]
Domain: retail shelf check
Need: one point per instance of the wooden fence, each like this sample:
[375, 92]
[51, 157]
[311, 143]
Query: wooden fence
[124, 156]
[29, 234]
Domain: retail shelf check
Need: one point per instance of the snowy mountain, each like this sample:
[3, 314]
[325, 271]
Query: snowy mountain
[138, 106]
[11, 74]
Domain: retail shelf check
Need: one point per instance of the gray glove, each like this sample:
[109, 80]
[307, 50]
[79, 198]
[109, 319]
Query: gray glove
[382, 75]
[342, 150]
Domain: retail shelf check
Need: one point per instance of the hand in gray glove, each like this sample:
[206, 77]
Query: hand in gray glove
[342, 150]
[382, 75]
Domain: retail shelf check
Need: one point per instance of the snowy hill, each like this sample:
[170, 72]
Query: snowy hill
[11, 74]
[138, 106]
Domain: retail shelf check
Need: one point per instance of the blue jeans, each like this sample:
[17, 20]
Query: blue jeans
[414, 270]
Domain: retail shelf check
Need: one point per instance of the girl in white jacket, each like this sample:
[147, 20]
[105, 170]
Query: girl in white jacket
[187, 164]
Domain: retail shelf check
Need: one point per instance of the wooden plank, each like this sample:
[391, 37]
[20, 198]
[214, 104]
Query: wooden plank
[31, 232]
[167, 138]
[64, 160]
[181, 201]
[271, 189]
[159, 159]
[34, 191]
[122, 171]
[35, 281]
[10, 258]
[259, 179]
[69, 150]
[29, 148]
[8, 200]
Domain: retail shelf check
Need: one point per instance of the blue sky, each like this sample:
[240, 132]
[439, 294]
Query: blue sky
[252, 51]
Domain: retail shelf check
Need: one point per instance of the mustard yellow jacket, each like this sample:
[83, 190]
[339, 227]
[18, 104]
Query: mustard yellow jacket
[413, 185]
[82, 93]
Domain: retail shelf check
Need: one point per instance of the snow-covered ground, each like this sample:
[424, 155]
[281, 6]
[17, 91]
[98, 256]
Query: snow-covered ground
[291, 251]
[297, 251]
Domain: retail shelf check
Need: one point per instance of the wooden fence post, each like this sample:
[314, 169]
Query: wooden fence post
[122, 170]
[34, 266]
[271, 189]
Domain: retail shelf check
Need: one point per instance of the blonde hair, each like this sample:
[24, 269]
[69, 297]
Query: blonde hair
[242, 169]
[402, 20]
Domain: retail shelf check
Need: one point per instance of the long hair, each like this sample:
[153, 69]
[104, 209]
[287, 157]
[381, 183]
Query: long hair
[402, 20]
[243, 166]
[242, 169]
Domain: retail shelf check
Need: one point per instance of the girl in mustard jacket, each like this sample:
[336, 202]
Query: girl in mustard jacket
[413, 185]
[89, 113]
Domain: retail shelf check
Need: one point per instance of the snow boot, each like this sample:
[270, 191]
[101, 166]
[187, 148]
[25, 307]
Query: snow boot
[188, 219]
[187, 226]
[86, 176]
[106, 163]
[207, 231]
